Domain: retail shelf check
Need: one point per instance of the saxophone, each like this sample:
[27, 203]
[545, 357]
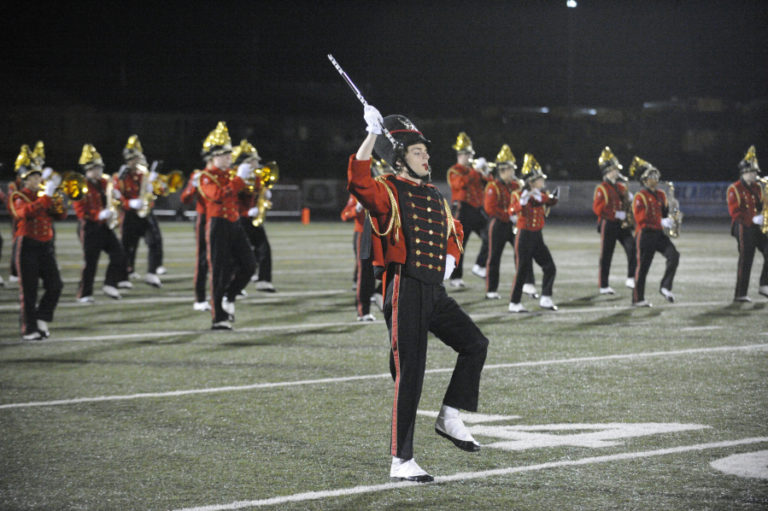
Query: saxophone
[674, 212]
[764, 189]
[145, 192]
[112, 204]
[268, 175]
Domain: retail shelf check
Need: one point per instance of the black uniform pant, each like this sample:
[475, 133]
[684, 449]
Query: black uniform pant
[472, 220]
[749, 238]
[648, 242]
[412, 309]
[201, 259]
[37, 260]
[95, 237]
[134, 228]
[530, 247]
[365, 282]
[611, 232]
[499, 234]
[231, 261]
[257, 236]
[14, 244]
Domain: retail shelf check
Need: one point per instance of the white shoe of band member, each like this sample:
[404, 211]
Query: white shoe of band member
[42, 327]
[229, 307]
[666, 293]
[265, 285]
[546, 303]
[408, 470]
[366, 318]
[744, 299]
[457, 283]
[492, 295]
[255, 277]
[161, 270]
[378, 300]
[478, 271]
[153, 280]
[630, 282]
[642, 303]
[222, 325]
[201, 306]
[13, 278]
[763, 290]
[125, 284]
[112, 292]
[517, 307]
[449, 425]
[607, 291]
[134, 276]
[86, 299]
[242, 292]
[530, 290]
[34, 336]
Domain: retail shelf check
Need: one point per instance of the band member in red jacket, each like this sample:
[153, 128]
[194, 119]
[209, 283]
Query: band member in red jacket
[610, 203]
[34, 252]
[230, 257]
[746, 205]
[531, 205]
[189, 196]
[365, 281]
[95, 229]
[420, 242]
[467, 190]
[651, 211]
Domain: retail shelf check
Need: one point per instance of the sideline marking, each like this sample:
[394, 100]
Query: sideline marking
[321, 381]
[466, 476]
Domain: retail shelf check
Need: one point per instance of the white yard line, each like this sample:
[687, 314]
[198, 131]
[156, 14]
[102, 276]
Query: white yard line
[467, 476]
[323, 381]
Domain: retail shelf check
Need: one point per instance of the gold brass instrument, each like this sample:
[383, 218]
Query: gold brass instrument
[674, 212]
[146, 193]
[72, 185]
[112, 203]
[626, 206]
[764, 185]
[268, 175]
[168, 183]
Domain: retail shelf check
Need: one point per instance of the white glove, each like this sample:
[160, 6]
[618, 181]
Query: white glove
[358, 207]
[136, 203]
[525, 197]
[50, 187]
[620, 215]
[196, 179]
[254, 211]
[513, 219]
[667, 223]
[116, 193]
[630, 196]
[105, 214]
[268, 194]
[373, 119]
[245, 171]
[481, 164]
[450, 265]
[536, 194]
[556, 193]
[47, 171]
[153, 176]
[757, 219]
[148, 186]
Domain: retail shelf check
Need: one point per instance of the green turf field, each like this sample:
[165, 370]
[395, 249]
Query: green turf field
[138, 405]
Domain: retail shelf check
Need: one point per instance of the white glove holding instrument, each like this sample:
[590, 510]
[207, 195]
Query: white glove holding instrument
[450, 265]
[50, 188]
[136, 203]
[245, 171]
[757, 219]
[667, 223]
[47, 171]
[254, 211]
[536, 194]
[525, 197]
[373, 120]
[105, 214]
[620, 215]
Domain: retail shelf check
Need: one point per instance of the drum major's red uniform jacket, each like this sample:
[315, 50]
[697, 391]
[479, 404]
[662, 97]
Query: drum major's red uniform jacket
[743, 202]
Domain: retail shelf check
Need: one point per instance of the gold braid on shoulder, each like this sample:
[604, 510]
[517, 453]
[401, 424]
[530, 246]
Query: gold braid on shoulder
[452, 226]
[200, 188]
[11, 201]
[394, 219]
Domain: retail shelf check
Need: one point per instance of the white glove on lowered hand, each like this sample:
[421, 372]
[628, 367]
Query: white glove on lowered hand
[513, 219]
[268, 194]
[136, 203]
[620, 215]
[105, 214]
[373, 119]
[245, 171]
[47, 171]
[50, 188]
[196, 179]
[757, 219]
[254, 211]
[525, 197]
[450, 265]
[116, 194]
[667, 223]
[358, 207]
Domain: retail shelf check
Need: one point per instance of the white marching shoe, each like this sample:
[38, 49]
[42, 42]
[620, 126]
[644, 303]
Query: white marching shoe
[547, 303]
[229, 307]
[763, 290]
[367, 318]
[134, 276]
[517, 307]
[408, 470]
[125, 284]
[222, 325]
[642, 303]
[492, 295]
[112, 292]
[449, 425]
[457, 283]
[265, 285]
[42, 327]
[478, 271]
[630, 282]
[607, 291]
[153, 280]
[201, 306]
[161, 270]
[86, 299]
[530, 290]
[13, 279]
[666, 293]
[34, 336]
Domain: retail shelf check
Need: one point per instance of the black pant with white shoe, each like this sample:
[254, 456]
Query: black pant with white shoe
[35, 261]
[648, 242]
[499, 234]
[611, 232]
[749, 238]
[530, 247]
[257, 236]
[96, 237]
[472, 220]
[201, 259]
[134, 228]
[231, 262]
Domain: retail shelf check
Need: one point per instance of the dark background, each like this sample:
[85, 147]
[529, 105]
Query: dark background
[682, 83]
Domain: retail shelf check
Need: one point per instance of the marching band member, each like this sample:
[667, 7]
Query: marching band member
[190, 195]
[608, 204]
[531, 205]
[94, 228]
[34, 253]
[746, 206]
[467, 190]
[365, 281]
[230, 257]
[134, 182]
[651, 211]
[419, 243]
[247, 203]
[498, 196]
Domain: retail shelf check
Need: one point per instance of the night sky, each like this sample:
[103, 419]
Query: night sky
[438, 58]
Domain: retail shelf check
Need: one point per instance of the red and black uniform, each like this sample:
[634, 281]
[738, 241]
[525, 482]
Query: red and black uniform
[35, 256]
[134, 227]
[188, 197]
[498, 197]
[529, 243]
[744, 203]
[609, 198]
[467, 192]
[649, 207]
[12, 187]
[256, 234]
[95, 236]
[365, 282]
[414, 254]
[230, 256]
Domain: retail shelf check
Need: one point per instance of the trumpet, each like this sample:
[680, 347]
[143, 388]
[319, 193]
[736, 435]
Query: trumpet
[674, 212]
[267, 176]
[72, 185]
[169, 183]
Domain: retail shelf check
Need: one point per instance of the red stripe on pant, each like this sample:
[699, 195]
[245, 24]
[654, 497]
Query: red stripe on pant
[395, 355]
